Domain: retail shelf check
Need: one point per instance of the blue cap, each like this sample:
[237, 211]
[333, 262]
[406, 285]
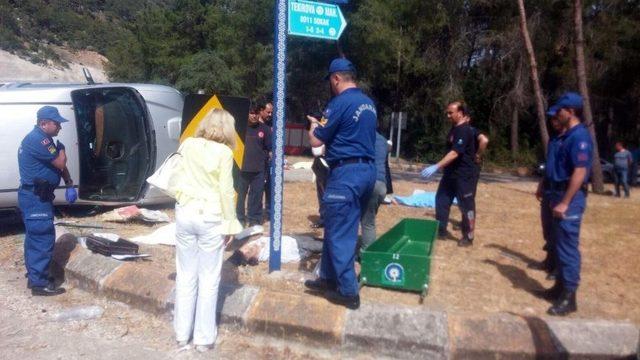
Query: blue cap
[340, 64]
[568, 100]
[50, 113]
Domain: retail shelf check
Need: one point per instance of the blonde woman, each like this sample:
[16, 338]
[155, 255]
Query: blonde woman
[205, 223]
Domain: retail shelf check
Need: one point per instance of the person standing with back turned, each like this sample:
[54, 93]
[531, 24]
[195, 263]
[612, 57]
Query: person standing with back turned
[348, 129]
[205, 223]
[41, 164]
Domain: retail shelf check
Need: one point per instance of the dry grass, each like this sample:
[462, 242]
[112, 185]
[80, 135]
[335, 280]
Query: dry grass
[493, 275]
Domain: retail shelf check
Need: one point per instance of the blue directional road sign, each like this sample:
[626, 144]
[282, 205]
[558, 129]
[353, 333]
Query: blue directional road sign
[315, 19]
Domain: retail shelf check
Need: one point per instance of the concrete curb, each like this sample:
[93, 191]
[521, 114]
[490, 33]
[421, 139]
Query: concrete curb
[395, 331]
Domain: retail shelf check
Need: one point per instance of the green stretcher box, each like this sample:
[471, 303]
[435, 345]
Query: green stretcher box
[401, 257]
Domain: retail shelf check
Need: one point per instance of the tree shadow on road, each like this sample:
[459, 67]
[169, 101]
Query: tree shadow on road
[518, 277]
[505, 251]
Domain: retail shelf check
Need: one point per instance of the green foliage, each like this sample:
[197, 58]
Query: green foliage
[414, 56]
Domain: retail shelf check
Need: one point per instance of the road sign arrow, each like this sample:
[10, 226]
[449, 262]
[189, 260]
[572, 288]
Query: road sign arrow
[316, 19]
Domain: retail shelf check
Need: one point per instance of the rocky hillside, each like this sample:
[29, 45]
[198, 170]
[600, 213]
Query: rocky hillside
[53, 40]
[14, 68]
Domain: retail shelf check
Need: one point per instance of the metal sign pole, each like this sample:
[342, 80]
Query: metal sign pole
[277, 151]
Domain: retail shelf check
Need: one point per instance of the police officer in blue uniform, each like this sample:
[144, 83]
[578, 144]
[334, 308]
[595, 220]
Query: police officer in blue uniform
[568, 176]
[458, 180]
[543, 194]
[348, 130]
[41, 162]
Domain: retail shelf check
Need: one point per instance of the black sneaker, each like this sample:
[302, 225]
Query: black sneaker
[350, 302]
[465, 242]
[49, 290]
[318, 285]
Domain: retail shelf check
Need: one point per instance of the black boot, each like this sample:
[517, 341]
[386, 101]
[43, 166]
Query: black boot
[318, 285]
[551, 294]
[350, 302]
[565, 304]
[49, 290]
[465, 242]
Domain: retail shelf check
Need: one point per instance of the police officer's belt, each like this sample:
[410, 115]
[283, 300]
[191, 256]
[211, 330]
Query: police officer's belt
[563, 186]
[353, 160]
[27, 187]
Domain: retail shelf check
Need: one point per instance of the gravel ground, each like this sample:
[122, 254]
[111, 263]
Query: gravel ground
[492, 276]
[28, 330]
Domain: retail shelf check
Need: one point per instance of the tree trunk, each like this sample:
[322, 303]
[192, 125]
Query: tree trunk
[515, 146]
[581, 74]
[542, 121]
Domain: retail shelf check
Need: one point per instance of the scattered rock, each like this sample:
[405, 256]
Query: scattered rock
[79, 313]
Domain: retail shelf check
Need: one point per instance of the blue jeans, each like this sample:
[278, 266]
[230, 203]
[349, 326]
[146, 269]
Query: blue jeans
[622, 178]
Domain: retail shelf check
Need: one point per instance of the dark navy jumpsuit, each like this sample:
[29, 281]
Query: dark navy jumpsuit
[546, 212]
[575, 150]
[35, 155]
[459, 181]
[349, 133]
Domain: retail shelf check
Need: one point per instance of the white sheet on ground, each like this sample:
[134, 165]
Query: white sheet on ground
[165, 235]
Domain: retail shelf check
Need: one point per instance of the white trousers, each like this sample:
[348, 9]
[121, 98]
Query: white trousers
[199, 254]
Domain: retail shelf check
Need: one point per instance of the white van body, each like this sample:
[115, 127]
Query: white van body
[116, 136]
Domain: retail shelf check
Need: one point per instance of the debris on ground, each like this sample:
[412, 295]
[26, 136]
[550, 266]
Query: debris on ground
[306, 165]
[79, 313]
[109, 247]
[129, 213]
[76, 224]
[129, 257]
[164, 235]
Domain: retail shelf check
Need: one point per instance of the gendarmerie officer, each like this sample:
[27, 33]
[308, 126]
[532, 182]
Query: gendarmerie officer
[568, 176]
[458, 180]
[41, 162]
[543, 194]
[348, 129]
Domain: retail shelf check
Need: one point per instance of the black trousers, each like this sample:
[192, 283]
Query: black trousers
[252, 184]
[462, 189]
[267, 189]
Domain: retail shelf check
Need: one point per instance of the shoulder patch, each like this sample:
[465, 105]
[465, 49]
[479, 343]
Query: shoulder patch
[45, 141]
[52, 149]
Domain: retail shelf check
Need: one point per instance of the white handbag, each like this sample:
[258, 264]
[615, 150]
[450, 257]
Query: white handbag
[166, 176]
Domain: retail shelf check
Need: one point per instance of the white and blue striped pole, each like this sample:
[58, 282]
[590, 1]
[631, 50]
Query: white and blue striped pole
[277, 163]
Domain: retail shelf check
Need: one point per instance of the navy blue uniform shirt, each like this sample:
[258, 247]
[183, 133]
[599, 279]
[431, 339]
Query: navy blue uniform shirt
[257, 144]
[552, 154]
[35, 155]
[462, 140]
[348, 127]
[574, 150]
